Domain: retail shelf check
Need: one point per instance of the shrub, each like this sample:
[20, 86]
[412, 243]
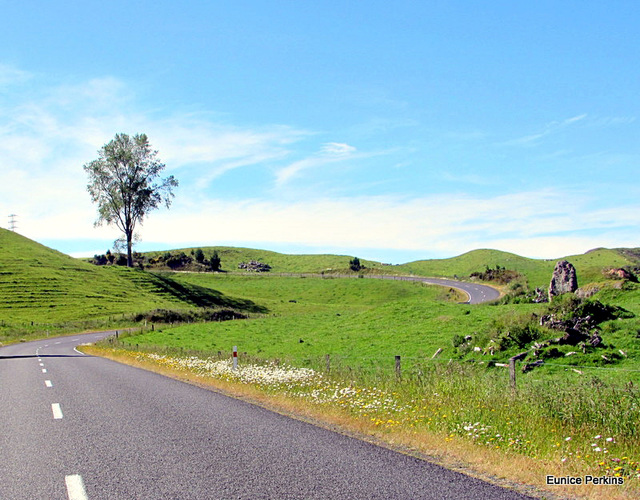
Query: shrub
[100, 260]
[199, 255]
[354, 264]
[214, 261]
[570, 306]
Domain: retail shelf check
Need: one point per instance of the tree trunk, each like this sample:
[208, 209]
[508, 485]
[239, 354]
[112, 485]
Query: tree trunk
[129, 255]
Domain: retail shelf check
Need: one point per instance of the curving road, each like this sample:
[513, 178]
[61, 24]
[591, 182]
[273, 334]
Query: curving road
[79, 427]
[476, 293]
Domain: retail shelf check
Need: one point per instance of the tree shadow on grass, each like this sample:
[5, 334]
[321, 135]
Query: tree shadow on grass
[200, 296]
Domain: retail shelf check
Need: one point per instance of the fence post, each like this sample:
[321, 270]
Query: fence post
[512, 373]
[327, 358]
[398, 368]
[235, 357]
[512, 369]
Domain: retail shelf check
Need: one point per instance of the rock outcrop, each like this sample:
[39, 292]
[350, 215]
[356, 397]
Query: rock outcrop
[617, 274]
[563, 280]
[255, 266]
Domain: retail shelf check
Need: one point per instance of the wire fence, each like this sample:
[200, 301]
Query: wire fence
[393, 367]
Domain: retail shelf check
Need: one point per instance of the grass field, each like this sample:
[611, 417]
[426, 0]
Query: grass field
[368, 322]
[42, 289]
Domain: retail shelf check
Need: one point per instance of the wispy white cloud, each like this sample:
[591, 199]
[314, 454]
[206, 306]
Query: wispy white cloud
[330, 152]
[611, 121]
[338, 149]
[10, 75]
[46, 137]
[549, 129]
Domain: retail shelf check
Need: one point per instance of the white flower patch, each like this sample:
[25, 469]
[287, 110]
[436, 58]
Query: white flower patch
[265, 375]
[297, 382]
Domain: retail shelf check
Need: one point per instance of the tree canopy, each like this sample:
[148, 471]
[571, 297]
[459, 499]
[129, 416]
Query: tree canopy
[124, 182]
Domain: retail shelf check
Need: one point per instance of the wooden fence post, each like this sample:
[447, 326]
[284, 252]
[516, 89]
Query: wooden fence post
[398, 368]
[512, 369]
[512, 373]
[327, 358]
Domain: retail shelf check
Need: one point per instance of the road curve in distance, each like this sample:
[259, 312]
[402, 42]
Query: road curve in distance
[477, 293]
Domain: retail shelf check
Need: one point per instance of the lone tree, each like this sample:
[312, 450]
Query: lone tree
[124, 182]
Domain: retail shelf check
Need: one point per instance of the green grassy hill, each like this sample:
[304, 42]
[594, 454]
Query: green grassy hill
[41, 285]
[538, 272]
[280, 263]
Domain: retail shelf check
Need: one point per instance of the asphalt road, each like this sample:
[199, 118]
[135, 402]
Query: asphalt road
[81, 427]
[477, 293]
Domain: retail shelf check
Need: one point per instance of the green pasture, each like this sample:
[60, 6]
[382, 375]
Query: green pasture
[366, 323]
[42, 289]
[310, 317]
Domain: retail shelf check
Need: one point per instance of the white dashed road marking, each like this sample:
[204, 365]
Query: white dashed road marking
[75, 487]
[44, 370]
[48, 383]
[57, 411]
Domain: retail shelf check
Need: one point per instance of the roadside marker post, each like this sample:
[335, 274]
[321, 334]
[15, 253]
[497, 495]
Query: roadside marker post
[235, 357]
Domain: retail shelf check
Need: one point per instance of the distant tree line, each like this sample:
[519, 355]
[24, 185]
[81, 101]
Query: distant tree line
[196, 260]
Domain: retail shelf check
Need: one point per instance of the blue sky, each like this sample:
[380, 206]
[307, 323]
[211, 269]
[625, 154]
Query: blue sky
[394, 131]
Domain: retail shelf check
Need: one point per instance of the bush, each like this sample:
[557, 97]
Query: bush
[570, 306]
[215, 262]
[177, 261]
[499, 275]
[100, 260]
[354, 264]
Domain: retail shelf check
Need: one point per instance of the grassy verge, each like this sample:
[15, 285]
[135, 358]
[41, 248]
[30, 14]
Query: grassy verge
[460, 415]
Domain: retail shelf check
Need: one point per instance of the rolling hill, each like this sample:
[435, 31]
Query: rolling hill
[589, 266]
[39, 284]
[538, 272]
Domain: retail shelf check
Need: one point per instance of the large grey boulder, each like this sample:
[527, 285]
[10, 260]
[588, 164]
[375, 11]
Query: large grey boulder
[563, 280]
